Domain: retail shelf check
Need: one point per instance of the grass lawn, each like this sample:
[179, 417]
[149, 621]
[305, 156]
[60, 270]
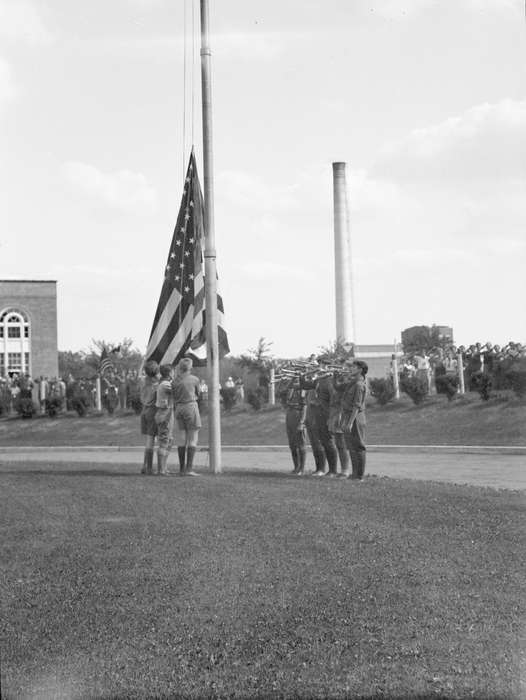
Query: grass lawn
[245, 585]
[466, 421]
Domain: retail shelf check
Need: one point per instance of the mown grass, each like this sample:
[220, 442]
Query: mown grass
[465, 421]
[257, 585]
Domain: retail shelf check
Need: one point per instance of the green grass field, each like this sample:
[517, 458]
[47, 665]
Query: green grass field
[251, 585]
[466, 421]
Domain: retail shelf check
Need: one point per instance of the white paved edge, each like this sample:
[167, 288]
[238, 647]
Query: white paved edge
[422, 449]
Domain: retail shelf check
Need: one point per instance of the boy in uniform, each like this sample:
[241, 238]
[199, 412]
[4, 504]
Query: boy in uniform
[186, 393]
[321, 411]
[293, 399]
[148, 425]
[164, 418]
[353, 418]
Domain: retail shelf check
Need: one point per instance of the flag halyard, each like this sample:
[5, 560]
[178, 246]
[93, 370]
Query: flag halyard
[179, 324]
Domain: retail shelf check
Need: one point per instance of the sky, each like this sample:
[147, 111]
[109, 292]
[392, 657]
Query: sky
[424, 100]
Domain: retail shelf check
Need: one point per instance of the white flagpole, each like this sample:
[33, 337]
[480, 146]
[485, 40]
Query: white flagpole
[214, 421]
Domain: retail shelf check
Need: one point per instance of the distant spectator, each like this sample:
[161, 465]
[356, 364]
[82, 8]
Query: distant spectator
[203, 394]
[423, 369]
[240, 391]
[121, 383]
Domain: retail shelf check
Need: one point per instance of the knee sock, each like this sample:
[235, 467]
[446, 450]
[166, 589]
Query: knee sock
[302, 456]
[181, 451]
[362, 463]
[342, 453]
[294, 458]
[190, 452]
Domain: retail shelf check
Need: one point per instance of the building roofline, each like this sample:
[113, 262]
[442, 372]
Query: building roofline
[19, 280]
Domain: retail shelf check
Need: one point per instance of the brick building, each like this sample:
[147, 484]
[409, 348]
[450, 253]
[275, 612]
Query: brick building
[28, 327]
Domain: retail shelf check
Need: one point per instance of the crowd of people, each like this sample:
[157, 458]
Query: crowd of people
[20, 393]
[480, 366]
[481, 363]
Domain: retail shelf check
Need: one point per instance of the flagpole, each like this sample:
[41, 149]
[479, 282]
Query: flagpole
[214, 422]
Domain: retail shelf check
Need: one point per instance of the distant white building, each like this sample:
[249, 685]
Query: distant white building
[378, 358]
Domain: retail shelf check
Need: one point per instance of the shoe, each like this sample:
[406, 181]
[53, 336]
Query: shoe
[317, 473]
[191, 473]
[299, 473]
[331, 475]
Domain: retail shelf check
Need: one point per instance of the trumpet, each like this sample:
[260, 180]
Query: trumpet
[310, 372]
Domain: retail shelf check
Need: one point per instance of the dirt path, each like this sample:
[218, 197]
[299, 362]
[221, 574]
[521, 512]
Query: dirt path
[494, 469]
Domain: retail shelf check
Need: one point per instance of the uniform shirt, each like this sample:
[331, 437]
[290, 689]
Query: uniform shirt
[339, 387]
[164, 394]
[149, 391]
[354, 396]
[295, 398]
[325, 391]
[186, 388]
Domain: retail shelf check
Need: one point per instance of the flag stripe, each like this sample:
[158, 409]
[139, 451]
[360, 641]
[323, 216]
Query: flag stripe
[178, 340]
[166, 316]
[171, 331]
[179, 321]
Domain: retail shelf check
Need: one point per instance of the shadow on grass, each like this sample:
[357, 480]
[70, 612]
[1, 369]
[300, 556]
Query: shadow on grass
[71, 472]
[229, 472]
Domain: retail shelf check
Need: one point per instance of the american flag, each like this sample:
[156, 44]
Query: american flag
[179, 324]
[105, 361]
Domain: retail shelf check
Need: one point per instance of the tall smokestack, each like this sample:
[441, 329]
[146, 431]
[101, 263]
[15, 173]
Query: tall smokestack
[342, 258]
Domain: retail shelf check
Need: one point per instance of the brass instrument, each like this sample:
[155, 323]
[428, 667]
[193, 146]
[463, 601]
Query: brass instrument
[306, 370]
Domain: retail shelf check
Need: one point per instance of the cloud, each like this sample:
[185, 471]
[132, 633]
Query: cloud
[367, 193]
[123, 190]
[396, 9]
[406, 9]
[7, 87]
[248, 191]
[515, 6]
[431, 256]
[253, 46]
[20, 21]
[487, 142]
[265, 269]
[226, 46]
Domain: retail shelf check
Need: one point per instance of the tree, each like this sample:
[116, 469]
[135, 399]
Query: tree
[419, 339]
[259, 361]
[86, 363]
[338, 351]
[74, 364]
[124, 356]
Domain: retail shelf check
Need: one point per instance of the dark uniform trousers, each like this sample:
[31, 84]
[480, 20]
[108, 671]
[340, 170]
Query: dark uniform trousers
[321, 438]
[314, 437]
[339, 439]
[355, 441]
[321, 418]
[296, 438]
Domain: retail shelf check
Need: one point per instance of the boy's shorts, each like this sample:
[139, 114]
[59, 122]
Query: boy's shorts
[148, 424]
[164, 423]
[187, 416]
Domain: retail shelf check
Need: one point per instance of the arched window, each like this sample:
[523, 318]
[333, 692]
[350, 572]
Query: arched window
[15, 342]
